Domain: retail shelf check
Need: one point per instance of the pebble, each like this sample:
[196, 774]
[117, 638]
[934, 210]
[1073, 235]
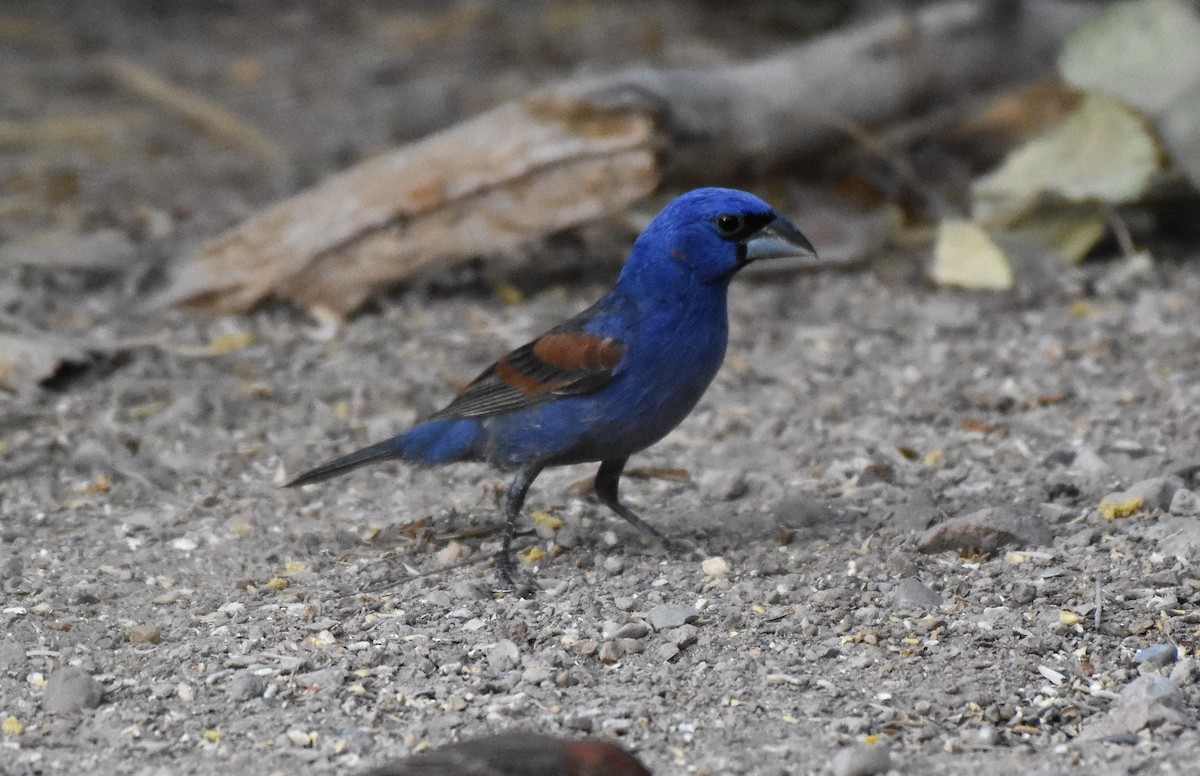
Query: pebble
[1185, 503]
[69, 689]
[986, 530]
[1185, 671]
[723, 485]
[325, 678]
[633, 630]
[145, 634]
[504, 655]
[1147, 700]
[860, 760]
[715, 567]
[912, 592]
[1154, 493]
[1156, 657]
[667, 616]
[1089, 466]
[245, 686]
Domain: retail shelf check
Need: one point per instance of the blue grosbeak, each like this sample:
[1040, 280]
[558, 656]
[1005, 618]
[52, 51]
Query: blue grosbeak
[618, 376]
[518, 754]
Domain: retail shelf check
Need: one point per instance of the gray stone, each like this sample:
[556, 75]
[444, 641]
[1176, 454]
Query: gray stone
[632, 630]
[723, 485]
[667, 616]
[323, 679]
[1185, 503]
[504, 655]
[913, 593]
[860, 760]
[1154, 493]
[1156, 657]
[986, 530]
[70, 689]
[245, 686]
[1089, 466]
[1147, 701]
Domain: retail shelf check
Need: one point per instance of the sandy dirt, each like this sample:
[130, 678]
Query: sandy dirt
[933, 532]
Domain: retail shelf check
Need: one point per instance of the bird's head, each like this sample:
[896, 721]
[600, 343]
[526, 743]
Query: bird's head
[709, 234]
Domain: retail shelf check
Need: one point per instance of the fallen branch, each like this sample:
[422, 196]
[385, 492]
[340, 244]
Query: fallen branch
[578, 151]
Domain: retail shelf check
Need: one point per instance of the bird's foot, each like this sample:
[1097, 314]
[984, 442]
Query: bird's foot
[512, 581]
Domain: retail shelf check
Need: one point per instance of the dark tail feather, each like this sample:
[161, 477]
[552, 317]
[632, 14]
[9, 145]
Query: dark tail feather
[381, 451]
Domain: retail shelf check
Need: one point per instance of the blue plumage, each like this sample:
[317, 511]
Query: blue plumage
[616, 378]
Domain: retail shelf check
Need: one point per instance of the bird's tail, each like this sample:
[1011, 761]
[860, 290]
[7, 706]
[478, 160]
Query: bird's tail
[432, 442]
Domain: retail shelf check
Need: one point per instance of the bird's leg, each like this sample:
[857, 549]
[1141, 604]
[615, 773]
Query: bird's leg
[513, 501]
[607, 480]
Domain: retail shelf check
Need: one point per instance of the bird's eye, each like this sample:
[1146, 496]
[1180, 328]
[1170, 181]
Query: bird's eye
[729, 225]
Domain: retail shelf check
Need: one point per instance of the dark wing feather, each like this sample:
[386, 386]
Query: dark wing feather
[559, 363]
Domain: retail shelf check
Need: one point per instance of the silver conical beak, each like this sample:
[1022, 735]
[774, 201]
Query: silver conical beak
[779, 239]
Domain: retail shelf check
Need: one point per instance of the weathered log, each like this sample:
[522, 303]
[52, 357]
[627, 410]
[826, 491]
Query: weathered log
[586, 148]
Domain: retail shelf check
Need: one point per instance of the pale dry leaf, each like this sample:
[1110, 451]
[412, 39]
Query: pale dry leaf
[1146, 53]
[964, 255]
[1103, 151]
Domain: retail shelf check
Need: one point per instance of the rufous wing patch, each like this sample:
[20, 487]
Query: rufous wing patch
[576, 351]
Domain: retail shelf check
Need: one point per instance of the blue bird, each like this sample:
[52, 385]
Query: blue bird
[618, 376]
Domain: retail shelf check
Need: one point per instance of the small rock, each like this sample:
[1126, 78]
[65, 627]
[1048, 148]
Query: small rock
[1156, 657]
[1147, 495]
[535, 674]
[912, 592]
[245, 686]
[12, 655]
[1185, 503]
[1185, 671]
[69, 689]
[809, 515]
[504, 655]
[667, 616]
[1089, 466]
[145, 634]
[1146, 701]
[715, 567]
[299, 737]
[632, 630]
[613, 564]
[468, 591]
[684, 636]
[723, 485]
[1178, 537]
[986, 530]
[325, 678]
[583, 722]
[610, 652]
[861, 761]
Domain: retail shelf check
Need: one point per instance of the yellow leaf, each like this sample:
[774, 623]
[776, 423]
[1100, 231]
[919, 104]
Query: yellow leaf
[547, 520]
[228, 343]
[509, 294]
[1069, 617]
[532, 555]
[964, 255]
[12, 726]
[277, 583]
[212, 735]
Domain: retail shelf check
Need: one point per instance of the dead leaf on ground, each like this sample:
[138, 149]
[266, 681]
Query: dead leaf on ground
[964, 255]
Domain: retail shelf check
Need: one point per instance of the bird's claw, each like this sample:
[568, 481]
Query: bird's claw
[521, 586]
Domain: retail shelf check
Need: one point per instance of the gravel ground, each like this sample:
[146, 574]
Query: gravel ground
[934, 532]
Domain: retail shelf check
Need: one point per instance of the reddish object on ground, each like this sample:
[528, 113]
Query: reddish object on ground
[518, 754]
